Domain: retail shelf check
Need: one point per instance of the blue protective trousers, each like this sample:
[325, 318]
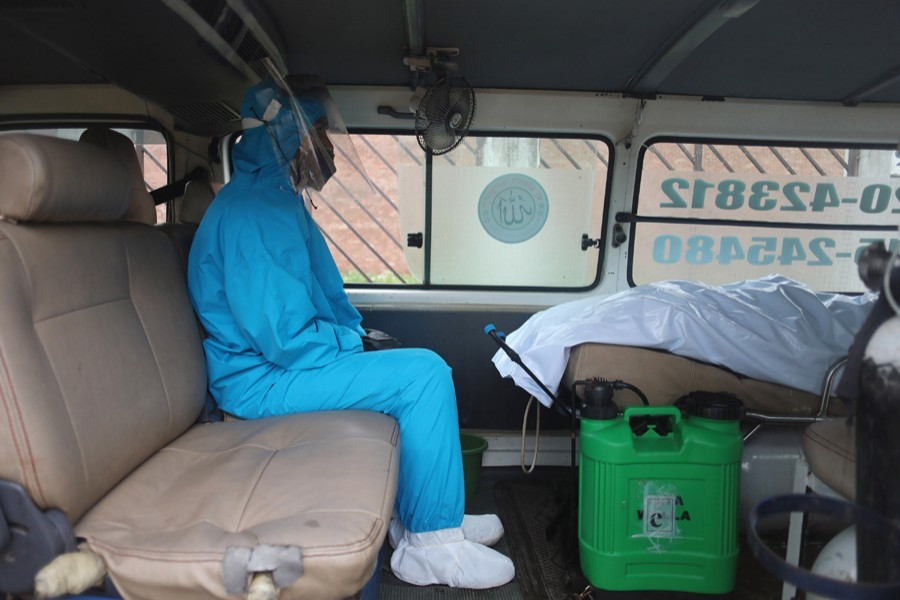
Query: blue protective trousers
[414, 387]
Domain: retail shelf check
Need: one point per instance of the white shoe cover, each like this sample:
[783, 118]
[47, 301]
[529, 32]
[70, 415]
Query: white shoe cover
[481, 529]
[446, 557]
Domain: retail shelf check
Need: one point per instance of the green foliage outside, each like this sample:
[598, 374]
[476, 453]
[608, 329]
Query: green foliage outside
[385, 277]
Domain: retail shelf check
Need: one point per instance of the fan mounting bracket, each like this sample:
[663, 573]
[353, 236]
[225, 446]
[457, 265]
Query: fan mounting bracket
[435, 59]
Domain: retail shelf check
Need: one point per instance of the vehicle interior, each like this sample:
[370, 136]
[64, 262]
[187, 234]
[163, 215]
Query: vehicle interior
[677, 218]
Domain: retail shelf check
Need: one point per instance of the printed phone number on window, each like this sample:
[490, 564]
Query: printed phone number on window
[760, 251]
[765, 195]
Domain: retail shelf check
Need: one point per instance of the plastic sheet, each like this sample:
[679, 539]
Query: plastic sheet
[773, 329]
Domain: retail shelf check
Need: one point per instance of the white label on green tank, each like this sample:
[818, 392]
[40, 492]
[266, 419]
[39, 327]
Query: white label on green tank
[659, 515]
[660, 504]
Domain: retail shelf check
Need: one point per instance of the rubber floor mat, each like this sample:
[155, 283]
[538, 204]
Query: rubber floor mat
[542, 536]
[541, 532]
[509, 591]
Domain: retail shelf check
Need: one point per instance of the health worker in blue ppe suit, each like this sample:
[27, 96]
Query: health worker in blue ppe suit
[284, 338]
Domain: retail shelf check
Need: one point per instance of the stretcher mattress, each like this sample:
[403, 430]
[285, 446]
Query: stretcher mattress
[770, 341]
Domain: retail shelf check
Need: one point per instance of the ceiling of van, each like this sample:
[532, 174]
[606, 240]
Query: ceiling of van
[196, 57]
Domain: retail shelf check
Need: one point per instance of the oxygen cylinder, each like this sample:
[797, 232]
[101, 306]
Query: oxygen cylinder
[837, 559]
[872, 381]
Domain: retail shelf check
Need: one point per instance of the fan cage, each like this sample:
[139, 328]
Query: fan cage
[445, 115]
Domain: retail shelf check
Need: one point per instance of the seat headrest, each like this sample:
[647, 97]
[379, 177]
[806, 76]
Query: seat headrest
[141, 207]
[198, 195]
[46, 179]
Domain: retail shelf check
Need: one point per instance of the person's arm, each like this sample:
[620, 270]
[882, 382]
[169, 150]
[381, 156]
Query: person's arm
[267, 283]
[345, 313]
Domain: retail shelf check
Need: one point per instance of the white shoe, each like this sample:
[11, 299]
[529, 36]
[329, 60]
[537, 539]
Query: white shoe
[446, 557]
[481, 529]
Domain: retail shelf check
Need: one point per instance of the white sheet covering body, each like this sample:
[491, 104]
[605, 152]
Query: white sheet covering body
[773, 329]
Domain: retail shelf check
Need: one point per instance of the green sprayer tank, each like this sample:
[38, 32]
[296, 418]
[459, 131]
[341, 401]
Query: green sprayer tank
[659, 497]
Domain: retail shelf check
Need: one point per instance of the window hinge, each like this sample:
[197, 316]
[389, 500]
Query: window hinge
[414, 240]
[619, 236]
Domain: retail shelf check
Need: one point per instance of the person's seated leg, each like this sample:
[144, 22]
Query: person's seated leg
[415, 387]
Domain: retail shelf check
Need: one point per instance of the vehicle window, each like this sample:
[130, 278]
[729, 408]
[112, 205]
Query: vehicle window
[722, 212]
[149, 144]
[493, 212]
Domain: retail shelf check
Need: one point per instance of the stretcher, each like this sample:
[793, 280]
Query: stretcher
[772, 342]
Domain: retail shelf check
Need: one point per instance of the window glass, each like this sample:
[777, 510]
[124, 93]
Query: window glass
[719, 213]
[493, 212]
[149, 144]
[363, 225]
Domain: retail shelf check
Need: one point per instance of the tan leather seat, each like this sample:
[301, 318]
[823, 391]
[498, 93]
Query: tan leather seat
[102, 377]
[830, 450]
[665, 377]
[141, 207]
[198, 195]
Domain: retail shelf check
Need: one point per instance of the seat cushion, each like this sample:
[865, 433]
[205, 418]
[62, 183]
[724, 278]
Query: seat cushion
[325, 482]
[665, 377]
[830, 448]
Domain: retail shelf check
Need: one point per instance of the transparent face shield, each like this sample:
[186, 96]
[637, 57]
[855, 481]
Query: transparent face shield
[308, 134]
[313, 165]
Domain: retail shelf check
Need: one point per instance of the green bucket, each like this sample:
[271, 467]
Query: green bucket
[473, 448]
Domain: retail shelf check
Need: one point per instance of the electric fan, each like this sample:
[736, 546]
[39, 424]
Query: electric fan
[444, 115]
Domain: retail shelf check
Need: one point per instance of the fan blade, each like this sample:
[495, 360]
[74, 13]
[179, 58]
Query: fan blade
[440, 136]
[445, 115]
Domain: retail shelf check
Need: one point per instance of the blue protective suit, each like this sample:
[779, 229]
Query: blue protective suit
[284, 338]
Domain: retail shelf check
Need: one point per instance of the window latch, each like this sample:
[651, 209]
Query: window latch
[587, 242]
[619, 237]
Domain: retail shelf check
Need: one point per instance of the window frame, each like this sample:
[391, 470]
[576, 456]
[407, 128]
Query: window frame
[428, 160]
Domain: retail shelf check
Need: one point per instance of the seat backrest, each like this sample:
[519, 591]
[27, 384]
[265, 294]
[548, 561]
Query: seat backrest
[101, 363]
[141, 207]
[198, 195]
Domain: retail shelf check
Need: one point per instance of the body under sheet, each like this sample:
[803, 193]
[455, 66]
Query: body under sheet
[773, 329]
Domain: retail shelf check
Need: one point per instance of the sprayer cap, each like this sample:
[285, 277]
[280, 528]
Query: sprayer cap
[720, 406]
